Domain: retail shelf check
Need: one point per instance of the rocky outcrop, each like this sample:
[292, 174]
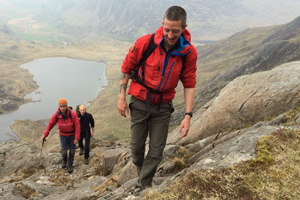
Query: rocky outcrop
[28, 172]
[244, 101]
[22, 177]
[230, 149]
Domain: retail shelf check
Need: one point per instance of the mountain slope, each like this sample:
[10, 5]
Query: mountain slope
[6, 33]
[249, 51]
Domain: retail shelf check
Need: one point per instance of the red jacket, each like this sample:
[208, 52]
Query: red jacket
[66, 126]
[161, 72]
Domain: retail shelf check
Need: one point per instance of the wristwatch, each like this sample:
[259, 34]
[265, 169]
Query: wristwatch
[189, 113]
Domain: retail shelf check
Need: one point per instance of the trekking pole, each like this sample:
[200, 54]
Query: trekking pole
[44, 140]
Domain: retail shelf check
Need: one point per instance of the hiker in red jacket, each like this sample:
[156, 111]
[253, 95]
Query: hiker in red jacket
[174, 58]
[69, 130]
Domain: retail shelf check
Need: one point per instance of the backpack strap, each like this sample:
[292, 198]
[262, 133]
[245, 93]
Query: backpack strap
[147, 53]
[57, 115]
[70, 114]
[183, 58]
[135, 73]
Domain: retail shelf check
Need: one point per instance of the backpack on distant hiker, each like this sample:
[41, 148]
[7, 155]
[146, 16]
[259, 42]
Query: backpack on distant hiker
[77, 108]
[136, 78]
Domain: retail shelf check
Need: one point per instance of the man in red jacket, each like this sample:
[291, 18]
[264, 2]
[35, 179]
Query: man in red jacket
[69, 130]
[161, 72]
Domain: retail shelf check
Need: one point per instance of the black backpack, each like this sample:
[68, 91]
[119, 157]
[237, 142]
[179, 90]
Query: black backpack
[135, 76]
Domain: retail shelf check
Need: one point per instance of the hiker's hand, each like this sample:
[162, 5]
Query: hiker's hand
[76, 141]
[185, 125]
[123, 107]
[92, 135]
[44, 138]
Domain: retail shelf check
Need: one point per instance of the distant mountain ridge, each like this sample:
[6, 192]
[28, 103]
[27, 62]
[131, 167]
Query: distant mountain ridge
[207, 20]
[127, 20]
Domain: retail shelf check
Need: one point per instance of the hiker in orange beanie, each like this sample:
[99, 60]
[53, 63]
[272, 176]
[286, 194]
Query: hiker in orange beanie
[69, 130]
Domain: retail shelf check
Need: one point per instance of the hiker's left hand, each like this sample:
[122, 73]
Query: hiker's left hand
[185, 125]
[76, 141]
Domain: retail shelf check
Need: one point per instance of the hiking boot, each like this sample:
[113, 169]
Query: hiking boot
[80, 152]
[143, 187]
[86, 161]
[137, 190]
[138, 169]
[70, 169]
[63, 164]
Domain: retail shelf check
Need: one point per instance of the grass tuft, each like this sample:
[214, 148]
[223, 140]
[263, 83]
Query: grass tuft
[273, 174]
[25, 191]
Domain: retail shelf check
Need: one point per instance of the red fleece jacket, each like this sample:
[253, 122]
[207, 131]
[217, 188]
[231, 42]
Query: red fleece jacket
[66, 125]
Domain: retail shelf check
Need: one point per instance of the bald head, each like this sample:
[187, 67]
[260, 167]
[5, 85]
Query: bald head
[82, 109]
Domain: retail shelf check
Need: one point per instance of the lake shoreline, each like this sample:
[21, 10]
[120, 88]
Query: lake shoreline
[42, 100]
[110, 53]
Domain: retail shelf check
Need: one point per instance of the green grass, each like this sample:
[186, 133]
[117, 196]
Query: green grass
[288, 119]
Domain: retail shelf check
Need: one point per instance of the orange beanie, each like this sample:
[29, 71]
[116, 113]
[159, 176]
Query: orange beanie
[62, 102]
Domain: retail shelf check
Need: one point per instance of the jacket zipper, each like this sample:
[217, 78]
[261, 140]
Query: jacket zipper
[162, 74]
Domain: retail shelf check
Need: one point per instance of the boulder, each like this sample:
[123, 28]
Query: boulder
[128, 172]
[110, 158]
[231, 149]
[18, 155]
[245, 101]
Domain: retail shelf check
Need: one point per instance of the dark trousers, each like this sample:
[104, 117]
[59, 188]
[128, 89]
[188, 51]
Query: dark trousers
[86, 135]
[154, 122]
[67, 143]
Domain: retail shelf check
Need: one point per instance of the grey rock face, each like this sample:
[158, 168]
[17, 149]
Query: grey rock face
[18, 154]
[127, 173]
[247, 100]
[109, 158]
[231, 149]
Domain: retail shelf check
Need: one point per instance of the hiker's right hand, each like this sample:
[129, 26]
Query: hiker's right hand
[123, 107]
[44, 138]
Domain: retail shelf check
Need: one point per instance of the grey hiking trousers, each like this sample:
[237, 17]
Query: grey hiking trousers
[154, 122]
